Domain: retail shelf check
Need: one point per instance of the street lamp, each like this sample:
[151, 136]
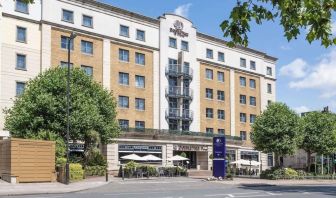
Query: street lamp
[67, 167]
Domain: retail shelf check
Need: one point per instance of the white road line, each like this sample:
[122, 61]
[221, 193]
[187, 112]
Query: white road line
[157, 182]
[231, 194]
[135, 193]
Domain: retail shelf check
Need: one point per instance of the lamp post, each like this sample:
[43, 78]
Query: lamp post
[67, 167]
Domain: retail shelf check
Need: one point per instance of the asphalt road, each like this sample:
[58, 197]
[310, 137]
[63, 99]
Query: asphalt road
[192, 188]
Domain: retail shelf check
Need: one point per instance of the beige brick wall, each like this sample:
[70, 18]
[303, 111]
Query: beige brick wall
[131, 91]
[214, 84]
[77, 57]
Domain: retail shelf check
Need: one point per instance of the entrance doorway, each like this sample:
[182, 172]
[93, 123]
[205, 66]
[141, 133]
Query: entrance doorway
[191, 155]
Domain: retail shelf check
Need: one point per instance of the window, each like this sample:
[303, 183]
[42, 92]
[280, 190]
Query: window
[252, 65]
[209, 74]
[21, 61]
[123, 101]
[139, 124]
[221, 57]
[67, 16]
[220, 95]
[221, 114]
[87, 47]
[242, 62]
[88, 70]
[172, 42]
[64, 64]
[140, 58]
[123, 78]
[269, 88]
[252, 83]
[20, 86]
[252, 118]
[242, 99]
[209, 130]
[87, 21]
[140, 104]
[139, 81]
[124, 31]
[220, 76]
[269, 71]
[185, 46]
[209, 93]
[209, 53]
[269, 102]
[21, 6]
[242, 81]
[140, 35]
[270, 159]
[243, 135]
[123, 55]
[124, 124]
[253, 101]
[65, 43]
[221, 131]
[21, 34]
[242, 117]
[209, 113]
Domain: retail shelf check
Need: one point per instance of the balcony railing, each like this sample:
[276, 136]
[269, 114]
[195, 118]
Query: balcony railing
[179, 114]
[179, 70]
[179, 92]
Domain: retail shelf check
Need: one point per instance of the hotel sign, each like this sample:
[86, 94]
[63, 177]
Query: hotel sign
[178, 29]
[189, 148]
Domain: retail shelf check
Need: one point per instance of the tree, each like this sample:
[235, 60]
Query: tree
[318, 134]
[296, 16]
[42, 107]
[276, 131]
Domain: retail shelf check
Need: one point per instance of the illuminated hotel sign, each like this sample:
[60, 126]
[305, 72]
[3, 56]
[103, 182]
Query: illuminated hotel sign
[177, 147]
[178, 29]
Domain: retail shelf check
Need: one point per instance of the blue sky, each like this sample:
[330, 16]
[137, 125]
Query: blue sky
[306, 73]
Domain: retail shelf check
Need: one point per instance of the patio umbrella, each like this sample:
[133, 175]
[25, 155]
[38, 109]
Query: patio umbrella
[246, 162]
[150, 158]
[177, 158]
[133, 157]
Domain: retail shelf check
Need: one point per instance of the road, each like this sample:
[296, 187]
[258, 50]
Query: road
[193, 188]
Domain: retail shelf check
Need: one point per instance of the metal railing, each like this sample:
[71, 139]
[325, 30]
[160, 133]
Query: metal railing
[176, 113]
[179, 70]
[174, 91]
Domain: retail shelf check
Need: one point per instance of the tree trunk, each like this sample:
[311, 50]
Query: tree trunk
[308, 161]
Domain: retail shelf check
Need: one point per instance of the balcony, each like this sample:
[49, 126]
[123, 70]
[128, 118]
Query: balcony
[178, 71]
[179, 114]
[179, 92]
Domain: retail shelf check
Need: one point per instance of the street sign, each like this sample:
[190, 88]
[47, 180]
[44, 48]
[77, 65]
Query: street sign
[219, 154]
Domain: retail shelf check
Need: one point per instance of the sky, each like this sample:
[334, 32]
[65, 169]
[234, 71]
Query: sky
[306, 73]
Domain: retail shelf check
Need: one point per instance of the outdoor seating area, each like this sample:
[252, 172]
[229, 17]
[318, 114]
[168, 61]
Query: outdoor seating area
[245, 167]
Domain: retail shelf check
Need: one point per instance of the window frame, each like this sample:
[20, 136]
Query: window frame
[138, 121]
[255, 101]
[85, 47]
[17, 10]
[186, 42]
[84, 67]
[206, 93]
[16, 87]
[17, 34]
[209, 130]
[218, 131]
[218, 114]
[71, 43]
[128, 31]
[173, 39]
[136, 58]
[25, 62]
[240, 81]
[209, 50]
[255, 83]
[269, 88]
[243, 134]
[251, 116]
[222, 73]
[144, 35]
[206, 73]
[220, 91]
[121, 78]
[210, 113]
[221, 53]
[85, 15]
[255, 65]
[123, 120]
[123, 97]
[136, 101]
[244, 60]
[242, 115]
[63, 19]
[269, 69]
[242, 99]
[128, 56]
[144, 81]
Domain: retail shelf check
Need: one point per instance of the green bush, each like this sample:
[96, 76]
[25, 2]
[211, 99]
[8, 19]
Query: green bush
[76, 172]
[281, 173]
[61, 161]
[95, 158]
[95, 170]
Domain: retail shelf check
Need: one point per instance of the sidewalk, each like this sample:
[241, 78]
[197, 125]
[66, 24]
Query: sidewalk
[50, 188]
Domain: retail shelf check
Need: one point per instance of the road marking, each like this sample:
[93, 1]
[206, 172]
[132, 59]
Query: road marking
[236, 195]
[135, 193]
[231, 194]
[156, 182]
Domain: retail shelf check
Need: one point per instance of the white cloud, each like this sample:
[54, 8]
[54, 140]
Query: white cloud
[183, 10]
[301, 109]
[285, 47]
[295, 69]
[320, 77]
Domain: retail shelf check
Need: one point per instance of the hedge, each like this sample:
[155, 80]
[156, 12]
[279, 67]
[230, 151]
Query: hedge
[76, 172]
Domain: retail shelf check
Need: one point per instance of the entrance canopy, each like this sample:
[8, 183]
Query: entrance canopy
[177, 158]
[133, 157]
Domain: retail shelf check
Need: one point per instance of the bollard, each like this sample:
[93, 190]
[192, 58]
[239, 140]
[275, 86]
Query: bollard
[122, 173]
[107, 176]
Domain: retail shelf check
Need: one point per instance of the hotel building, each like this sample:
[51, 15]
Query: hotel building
[168, 78]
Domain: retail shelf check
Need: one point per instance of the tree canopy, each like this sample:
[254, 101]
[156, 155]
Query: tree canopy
[42, 107]
[276, 131]
[313, 17]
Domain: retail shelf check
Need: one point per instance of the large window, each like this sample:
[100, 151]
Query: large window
[270, 159]
[252, 65]
[67, 16]
[139, 81]
[252, 118]
[87, 21]
[242, 62]
[253, 101]
[243, 135]
[88, 70]
[64, 64]
[185, 46]
[124, 124]
[252, 83]
[21, 62]
[172, 42]
[209, 93]
[140, 58]
[139, 124]
[20, 86]
[209, 74]
[209, 53]
[220, 95]
[269, 71]
[21, 6]
[124, 31]
[242, 117]
[21, 34]
[221, 57]
[220, 76]
[140, 104]
[123, 78]
[123, 102]
[65, 43]
[242, 81]
[140, 35]
[269, 88]
[87, 47]
[209, 112]
[242, 99]
[123, 55]
[221, 114]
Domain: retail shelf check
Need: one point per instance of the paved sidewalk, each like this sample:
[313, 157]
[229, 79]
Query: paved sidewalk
[49, 188]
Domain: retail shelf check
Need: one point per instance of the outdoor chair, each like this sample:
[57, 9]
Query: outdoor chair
[139, 173]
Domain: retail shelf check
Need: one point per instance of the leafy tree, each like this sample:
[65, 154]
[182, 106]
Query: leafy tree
[318, 134]
[311, 16]
[276, 131]
[42, 107]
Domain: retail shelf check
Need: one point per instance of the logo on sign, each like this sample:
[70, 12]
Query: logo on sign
[218, 140]
[178, 29]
